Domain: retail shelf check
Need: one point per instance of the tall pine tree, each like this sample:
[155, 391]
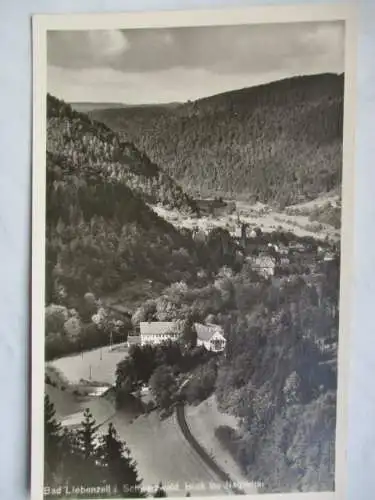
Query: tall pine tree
[72, 458]
[81, 457]
[86, 435]
[52, 443]
[118, 466]
[85, 445]
[160, 492]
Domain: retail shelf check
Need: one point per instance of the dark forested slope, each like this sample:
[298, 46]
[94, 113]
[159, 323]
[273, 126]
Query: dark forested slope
[279, 377]
[276, 142]
[100, 232]
[100, 235]
[86, 143]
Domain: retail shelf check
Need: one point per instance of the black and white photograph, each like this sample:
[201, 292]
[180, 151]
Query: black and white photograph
[189, 197]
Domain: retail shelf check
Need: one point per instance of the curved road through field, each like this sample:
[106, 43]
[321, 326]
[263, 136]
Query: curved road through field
[208, 460]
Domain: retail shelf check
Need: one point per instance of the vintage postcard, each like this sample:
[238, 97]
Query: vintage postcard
[192, 241]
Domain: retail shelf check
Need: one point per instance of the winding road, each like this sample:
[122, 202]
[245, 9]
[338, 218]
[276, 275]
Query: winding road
[203, 454]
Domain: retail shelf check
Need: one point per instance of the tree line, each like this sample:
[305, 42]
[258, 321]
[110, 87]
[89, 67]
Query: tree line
[88, 463]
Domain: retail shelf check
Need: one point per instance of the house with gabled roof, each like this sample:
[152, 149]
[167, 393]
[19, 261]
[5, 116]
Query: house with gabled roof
[210, 336]
[156, 332]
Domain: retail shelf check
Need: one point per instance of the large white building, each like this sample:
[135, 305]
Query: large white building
[156, 332]
[211, 337]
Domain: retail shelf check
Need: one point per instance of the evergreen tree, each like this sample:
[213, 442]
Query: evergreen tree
[118, 467]
[160, 492]
[189, 333]
[86, 435]
[84, 450]
[52, 442]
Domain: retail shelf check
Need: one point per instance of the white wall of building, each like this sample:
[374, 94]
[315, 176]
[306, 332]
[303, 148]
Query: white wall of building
[208, 344]
[155, 339]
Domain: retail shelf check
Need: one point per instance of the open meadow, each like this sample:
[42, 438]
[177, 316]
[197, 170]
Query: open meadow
[98, 365]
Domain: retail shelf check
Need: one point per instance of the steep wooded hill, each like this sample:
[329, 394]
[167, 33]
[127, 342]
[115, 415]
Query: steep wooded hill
[100, 232]
[279, 142]
[101, 235]
[84, 142]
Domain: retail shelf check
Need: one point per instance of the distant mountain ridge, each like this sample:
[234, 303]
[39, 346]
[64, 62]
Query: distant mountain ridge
[86, 107]
[83, 141]
[278, 142]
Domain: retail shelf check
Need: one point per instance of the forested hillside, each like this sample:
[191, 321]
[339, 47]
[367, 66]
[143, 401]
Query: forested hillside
[100, 232]
[279, 378]
[85, 143]
[279, 142]
[278, 375]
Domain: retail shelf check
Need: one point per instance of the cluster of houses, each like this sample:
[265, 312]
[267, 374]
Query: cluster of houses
[267, 257]
[210, 336]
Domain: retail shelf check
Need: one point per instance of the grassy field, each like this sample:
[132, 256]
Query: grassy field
[64, 401]
[70, 408]
[203, 419]
[98, 365]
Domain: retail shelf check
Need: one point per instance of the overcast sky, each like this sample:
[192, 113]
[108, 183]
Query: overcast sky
[169, 65]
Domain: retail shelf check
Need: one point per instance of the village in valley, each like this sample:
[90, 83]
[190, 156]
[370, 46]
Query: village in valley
[92, 378]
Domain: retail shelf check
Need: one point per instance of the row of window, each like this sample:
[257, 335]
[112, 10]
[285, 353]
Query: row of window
[156, 336]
